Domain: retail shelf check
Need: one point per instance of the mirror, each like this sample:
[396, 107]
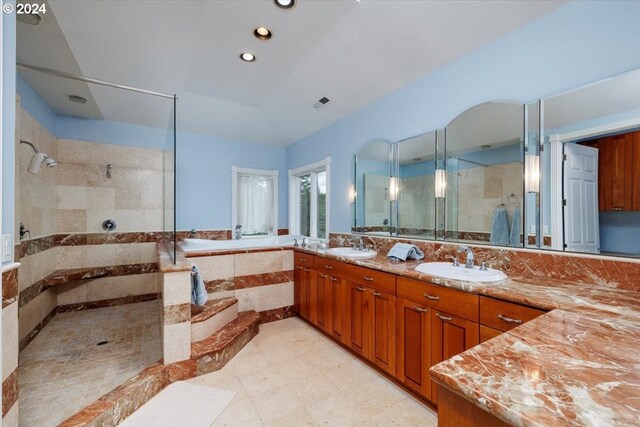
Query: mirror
[484, 175]
[590, 199]
[374, 188]
[416, 175]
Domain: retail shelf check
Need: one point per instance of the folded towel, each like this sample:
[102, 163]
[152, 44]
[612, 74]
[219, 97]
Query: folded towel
[198, 291]
[514, 233]
[404, 250]
[500, 227]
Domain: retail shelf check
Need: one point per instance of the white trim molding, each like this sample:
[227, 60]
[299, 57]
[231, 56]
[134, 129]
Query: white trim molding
[597, 130]
[235, 170]
[294, 196]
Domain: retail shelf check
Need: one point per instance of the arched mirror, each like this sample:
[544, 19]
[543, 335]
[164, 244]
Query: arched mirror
[374, 188]
[484, 175]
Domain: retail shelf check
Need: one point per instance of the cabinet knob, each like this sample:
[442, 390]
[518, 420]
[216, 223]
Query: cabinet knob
[299, 267]
[367, 278]
[432, 297]
[420, 309]
[445, 318]
[333, 279]
[324, 276]
[377, 294]
[360, 288]
[509, 319]
[307, 270]
[328, 267]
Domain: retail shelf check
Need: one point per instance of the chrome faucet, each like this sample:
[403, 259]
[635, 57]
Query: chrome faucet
[192, 233]
[23, 231]
[357, 243]
[469, 252]
[304, 243]
[238, 231]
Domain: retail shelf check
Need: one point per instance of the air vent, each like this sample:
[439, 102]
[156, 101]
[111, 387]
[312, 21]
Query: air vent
[77, 99]
[321, 103]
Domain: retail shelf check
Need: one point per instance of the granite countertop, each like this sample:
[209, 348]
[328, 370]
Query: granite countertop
[578, 365]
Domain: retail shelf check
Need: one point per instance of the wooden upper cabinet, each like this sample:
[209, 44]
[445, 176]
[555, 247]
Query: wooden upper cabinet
[413, 338]
[450, 335]
[618, 171]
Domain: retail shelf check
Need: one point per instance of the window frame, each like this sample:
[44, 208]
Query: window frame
[235, 171]
[312, 169]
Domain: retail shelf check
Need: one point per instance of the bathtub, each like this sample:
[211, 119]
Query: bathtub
[200, 245]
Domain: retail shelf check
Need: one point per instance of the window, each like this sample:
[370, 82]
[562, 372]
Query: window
[255, 201]
[309, 200]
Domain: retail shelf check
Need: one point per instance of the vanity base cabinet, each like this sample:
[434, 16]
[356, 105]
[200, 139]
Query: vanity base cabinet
[450, 335]
[336, 309]
[302, 284]
[358, 319]
[413, 338]
[319, 307]
[456, 411]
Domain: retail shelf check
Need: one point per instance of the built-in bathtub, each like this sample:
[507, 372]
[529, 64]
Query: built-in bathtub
[203, 245]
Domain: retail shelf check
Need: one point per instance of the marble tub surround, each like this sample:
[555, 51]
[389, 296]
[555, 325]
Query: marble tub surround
[10, 345]
[620, 273]
[176, 318]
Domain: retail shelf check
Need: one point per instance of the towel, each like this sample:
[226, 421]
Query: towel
[514, 233]
[404, 250]
[500, 227]
[198, 291]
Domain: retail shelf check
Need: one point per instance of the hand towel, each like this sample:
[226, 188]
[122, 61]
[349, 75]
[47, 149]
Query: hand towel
[404, 250]
[500, 227]
[514, 233]
[199, 294]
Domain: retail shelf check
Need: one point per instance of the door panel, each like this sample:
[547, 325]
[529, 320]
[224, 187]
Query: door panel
[413, 336]
[337, 309]
[359, 323]
[383, 334]
[319, 299]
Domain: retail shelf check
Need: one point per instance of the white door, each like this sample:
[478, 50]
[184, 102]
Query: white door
[580, 188]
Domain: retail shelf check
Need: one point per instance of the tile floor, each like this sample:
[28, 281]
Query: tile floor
[291, 375]
[63, 370]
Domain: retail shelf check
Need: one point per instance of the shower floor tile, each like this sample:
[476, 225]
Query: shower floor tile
[64, 369]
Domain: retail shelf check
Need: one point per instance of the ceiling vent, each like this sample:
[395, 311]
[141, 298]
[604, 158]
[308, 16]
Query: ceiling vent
[321, 103]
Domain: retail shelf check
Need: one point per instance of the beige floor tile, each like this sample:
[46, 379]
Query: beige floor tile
[261, 381]
[275, 403]
[407, 413]
[299, 418]
[239, 413]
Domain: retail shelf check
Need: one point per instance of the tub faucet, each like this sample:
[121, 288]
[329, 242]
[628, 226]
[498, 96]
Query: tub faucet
[192, 233]
[469, 252]
[238, 231]
[23, 231]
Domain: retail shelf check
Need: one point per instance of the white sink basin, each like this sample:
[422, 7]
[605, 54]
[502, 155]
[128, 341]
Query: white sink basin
[352, 253]
[447, 271]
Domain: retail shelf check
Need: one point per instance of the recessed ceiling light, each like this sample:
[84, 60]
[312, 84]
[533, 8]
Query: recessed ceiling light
[285, 4]
[77, 99]
[30, 18]
[262, 33]
[247, 57]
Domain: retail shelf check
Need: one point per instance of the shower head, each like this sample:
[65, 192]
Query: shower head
[37, 159]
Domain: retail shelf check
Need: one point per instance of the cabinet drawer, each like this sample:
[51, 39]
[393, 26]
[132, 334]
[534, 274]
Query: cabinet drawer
[303, 259]
[329, 266]
[448, 300]
[486, 333]
[374, 279]
[503, 315]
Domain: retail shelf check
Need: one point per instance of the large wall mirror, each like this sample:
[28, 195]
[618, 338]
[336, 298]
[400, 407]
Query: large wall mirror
[374, 188]
[484, 175]
[590, 192]
[416, 176]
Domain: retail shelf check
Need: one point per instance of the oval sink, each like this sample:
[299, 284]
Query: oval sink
[352, 253]
[447, 271]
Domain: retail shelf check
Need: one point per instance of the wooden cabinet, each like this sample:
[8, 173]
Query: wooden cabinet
[302, 264]
[336, 304]
[450, 335]
[503, 316]
[413, 337]
[455, 302]
[618, 171]
[486, 333]
[358, 319]
[319, 289]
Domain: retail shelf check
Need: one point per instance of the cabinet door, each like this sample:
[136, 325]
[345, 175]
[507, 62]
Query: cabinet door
[359, 301]
[319, 289]
[413, 337]
[297, 278]
[451, 335]
[636, 172]
[617, 166]
[383, 331]
[305, 293]
[337, 312]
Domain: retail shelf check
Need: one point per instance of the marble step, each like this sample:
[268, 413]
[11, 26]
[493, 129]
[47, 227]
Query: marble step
[210, 318]
[221, 346]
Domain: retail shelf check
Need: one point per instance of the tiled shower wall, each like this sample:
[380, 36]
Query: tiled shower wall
[75, 197]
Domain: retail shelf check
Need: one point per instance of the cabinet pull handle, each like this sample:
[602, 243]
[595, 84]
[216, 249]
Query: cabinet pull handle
[360, 288]
[333, 279]
[307, 270]
[303, 259]
[324, 276]
[328, 267]
[432, 297]
[299, 267]
[509, 319]
[420, 309]
[377, 294]
[445, 318]
[367, 278]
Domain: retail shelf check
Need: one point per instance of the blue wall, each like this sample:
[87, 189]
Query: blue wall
[8, 118]
[579, 43]
[35, 105]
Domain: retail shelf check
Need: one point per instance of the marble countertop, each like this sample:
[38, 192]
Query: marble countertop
[578, 365]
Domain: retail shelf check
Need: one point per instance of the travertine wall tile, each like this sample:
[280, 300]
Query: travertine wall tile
[9, 339]
[265, 297]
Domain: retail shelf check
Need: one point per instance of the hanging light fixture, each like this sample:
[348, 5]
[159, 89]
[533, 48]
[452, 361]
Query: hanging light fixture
[393, 188]
[441, 183]
[532, 173]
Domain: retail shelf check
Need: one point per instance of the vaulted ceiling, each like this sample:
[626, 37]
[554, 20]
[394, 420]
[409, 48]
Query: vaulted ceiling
[352, 52]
